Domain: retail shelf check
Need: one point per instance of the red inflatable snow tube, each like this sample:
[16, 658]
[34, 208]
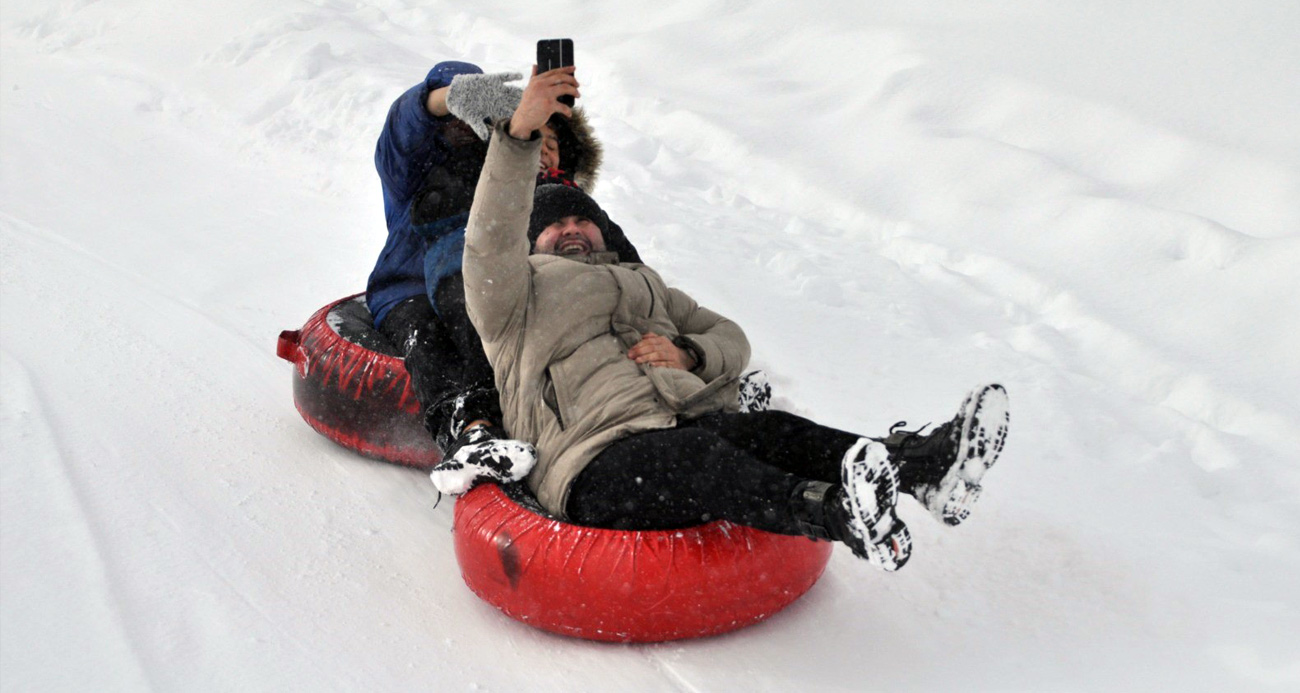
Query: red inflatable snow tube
[621, 586]
[350, 384]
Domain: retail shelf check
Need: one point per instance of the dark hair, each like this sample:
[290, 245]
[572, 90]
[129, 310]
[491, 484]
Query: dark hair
[572, 153]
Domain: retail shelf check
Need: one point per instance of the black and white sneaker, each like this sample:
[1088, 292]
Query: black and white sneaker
[942, 469]
[869, 483]
[483, 453]
[755, 392]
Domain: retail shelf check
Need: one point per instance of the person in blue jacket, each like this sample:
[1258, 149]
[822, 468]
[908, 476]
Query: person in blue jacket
[429, 156]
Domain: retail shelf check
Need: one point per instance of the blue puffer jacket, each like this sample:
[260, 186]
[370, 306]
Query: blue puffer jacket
[412, 143]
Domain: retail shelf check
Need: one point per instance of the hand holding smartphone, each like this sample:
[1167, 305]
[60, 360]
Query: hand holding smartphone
[553, 53]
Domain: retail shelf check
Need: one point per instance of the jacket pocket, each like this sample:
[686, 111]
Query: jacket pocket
[549, 397]
[687, 395]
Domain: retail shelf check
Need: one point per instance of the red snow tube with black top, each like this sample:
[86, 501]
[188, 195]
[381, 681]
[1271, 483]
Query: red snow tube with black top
[622, 586]
[350, 384]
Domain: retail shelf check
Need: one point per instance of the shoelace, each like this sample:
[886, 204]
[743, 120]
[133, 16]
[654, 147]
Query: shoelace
[907, 436]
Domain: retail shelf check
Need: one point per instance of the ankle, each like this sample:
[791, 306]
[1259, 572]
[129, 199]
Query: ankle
[809, 503]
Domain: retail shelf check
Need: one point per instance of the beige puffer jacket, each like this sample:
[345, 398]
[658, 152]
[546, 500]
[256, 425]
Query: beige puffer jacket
[557, 333]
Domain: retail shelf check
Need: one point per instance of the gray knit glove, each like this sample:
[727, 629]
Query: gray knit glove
[480, 99]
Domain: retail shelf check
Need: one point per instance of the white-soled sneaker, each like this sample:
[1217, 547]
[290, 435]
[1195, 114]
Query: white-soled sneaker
[943, 468]
[869, 488]
[483, 453]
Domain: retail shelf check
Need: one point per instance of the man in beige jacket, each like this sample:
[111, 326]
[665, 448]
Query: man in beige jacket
[627, 387]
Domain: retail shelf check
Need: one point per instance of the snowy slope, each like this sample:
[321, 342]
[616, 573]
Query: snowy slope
[1095, 203]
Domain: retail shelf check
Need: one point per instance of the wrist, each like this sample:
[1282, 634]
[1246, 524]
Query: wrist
[436, 103]
[691, 354]
[520, 132]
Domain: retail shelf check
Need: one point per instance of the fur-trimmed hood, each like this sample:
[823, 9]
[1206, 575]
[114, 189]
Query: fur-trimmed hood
[580, 152]
[448, 187]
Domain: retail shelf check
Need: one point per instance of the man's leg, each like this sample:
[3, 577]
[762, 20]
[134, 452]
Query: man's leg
[680, 478]
[784, 440]
[686, 476]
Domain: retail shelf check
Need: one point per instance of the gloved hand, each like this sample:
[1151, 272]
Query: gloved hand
[483, 453]
[479, 99]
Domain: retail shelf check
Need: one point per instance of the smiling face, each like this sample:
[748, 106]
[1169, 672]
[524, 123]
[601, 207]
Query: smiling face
[550, 149]
[571, 236]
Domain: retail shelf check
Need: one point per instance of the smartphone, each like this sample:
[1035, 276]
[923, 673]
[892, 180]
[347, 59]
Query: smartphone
[553, 53]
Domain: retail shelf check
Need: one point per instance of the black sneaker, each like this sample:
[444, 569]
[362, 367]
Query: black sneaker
[943, 468]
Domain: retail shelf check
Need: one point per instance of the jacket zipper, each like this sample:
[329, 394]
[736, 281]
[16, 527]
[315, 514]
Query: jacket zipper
[651, 289]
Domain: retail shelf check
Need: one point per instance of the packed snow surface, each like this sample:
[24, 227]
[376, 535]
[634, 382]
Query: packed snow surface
[1095, 203]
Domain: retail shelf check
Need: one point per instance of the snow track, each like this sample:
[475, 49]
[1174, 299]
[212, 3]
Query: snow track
[1097, 205]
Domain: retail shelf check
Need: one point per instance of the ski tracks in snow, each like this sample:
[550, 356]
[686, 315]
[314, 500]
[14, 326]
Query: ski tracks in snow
[40, 486]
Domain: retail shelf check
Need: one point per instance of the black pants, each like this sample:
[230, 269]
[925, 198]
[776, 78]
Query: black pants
[738, 467]
[444, 356]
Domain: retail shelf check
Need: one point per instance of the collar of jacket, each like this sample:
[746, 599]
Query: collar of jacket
[604, 257]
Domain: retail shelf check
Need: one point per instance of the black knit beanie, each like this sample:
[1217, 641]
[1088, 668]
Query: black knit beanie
[553, 202]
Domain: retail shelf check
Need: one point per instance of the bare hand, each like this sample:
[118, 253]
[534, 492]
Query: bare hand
[541, 100]
[660, 351]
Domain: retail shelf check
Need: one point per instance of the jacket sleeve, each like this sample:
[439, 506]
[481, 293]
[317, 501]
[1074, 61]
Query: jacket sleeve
[448, 188]
[721, 342]
[497, 277]
[411, 141]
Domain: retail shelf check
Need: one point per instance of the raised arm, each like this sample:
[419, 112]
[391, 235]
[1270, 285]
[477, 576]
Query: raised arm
[495, 263]
[410, 142]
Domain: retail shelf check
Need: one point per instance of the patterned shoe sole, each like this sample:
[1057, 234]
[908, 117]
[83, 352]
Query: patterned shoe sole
[870, 482]
[986, 416]
[892, 552]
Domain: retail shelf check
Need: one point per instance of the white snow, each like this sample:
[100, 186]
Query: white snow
[1095, 203]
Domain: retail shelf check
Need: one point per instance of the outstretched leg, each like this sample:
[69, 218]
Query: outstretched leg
[788, 441]
[856, 471]
[685, 476]
[677, 478]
